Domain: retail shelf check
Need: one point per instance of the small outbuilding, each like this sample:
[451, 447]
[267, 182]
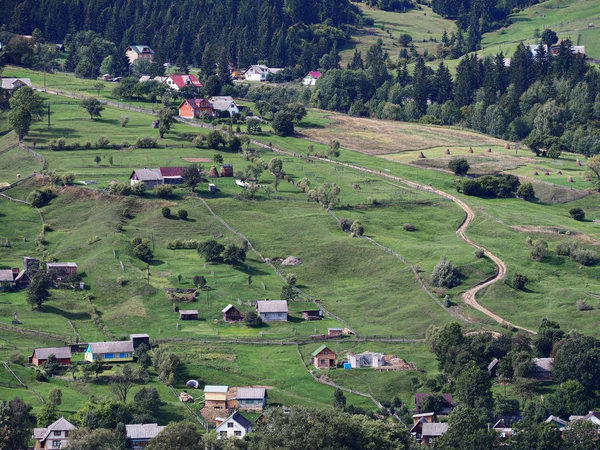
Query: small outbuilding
[61, 270]
[335, 332]
[150, 177]
[251, 398]
[139, 339]
[138, 435]
[231, 314]
[216, 396]
[40, 355]
[312, 314]
[227, 170]
[323, 358]
[188, 314]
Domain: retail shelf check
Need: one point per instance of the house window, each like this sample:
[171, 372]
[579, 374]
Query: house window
[223, 433]
[108, 355]
[57, 433]
[229, 424]
[56, 444]
[322, 361]
[237, 433]
[122, 355]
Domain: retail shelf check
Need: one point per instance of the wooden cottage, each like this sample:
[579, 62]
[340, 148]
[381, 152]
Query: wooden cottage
[215, 396]
[272, 310]
[54, 435]
[231, 314]
[150, 177]
[40, 355]
[334, 332]
[139, 435]
[251, 398]
[188, 314]
[226, 170]
[118, 351]
[312, 314]
[323, 358]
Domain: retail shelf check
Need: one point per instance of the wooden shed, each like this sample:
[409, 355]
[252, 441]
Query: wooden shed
[188, 314]
[139, 339]
[323, 358]
[40, 355]
[231, 314]
[312, 314]
[215, 396]
[226, 170]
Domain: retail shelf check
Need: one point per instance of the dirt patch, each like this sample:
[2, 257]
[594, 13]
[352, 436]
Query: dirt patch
[161, 274]
[582, 237]
[197, 160]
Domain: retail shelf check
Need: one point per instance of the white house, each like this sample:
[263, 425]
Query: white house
[12, 84]
[259, 72]
[311, 78]
[54, 435]
[235, 425]
[270, 310]
[366, 359]
[225, 103]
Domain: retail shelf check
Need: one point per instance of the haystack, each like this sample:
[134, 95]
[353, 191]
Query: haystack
[536, 173]
[578, 163]
[559, 173]
[507, 146]
[213, 172]
[447, 151]
[489, 150]
[546, 173]
[421, 155]
[570, 180]
[470, 149]
[291, 261]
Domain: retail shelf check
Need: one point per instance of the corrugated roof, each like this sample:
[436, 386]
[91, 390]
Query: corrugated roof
[8, 83]
[249, 393]
[186, 312]
[272, 306]
[434, 429]
[143, 431]
[223, 105]
[139, 335]
[221, 98]
[320, 349]
[171, 171]
[216, 389]
[185, 80]
[228, 307]
[59, 352]
[6, 275]
[147, 174]
[140, 48]
[61, 424]
[58, 265]
[111, 347]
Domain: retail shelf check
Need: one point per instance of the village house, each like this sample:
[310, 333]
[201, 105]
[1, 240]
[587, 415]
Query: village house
[139, 435]
[251, 398]
[419, 420]
[171, 175]
[556, 421]
[272, 310]
[259, 72]
[188, 314]
[231, 314]
[310, 79]
[134, 52]
[503, 426]
[12, 84]
[592, 416]
[447, 404]
[177, 82]
[40, 355]
[215, 396]
[62, 270]
[225, 104]
[54, 435]
[150, 177]
[196, 108]
[426, 428]
[117, 351]
[236, 425]
[366, 359]
[323, 358]
[542, 369]
[226, 170]
[16, 278]
[312, 314]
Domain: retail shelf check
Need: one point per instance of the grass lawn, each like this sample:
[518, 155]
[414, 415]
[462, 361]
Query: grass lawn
[15, 164]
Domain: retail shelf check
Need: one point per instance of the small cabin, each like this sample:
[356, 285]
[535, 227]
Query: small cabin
[251, 398]
[40, 355]
[313, 314]
[323, 358]
[231, 314]
[139, 339]
[227, 170]
[117, 351]
[272, 310]
[334, 332]
[188, 314]
[215, 396]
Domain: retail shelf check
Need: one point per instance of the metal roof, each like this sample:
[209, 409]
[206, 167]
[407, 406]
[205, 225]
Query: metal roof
[241, 420]
[250, 393]
[147, 174]
[56, 265]
[140, 335]
[143, 431]
[111, 347]
[216, 389]
[228, 307]
[8, 83]
[320, 349]
[434, 429]
[184, 312]
[6, 275]
[59, 352]
[272, 306]
[61, 424]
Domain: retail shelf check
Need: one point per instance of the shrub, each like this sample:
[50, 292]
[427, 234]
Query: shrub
[491, 186]
[445, 274]
[52, 144]
[163, 191]
[252, 319]
[166, 211]
[143, 251]
[584, 256]
[124, 121]
[526, 192]
[138, 189]
[182, 214]
[121, 281]
[124, 144]
[479, 253]
[459, 166]
[179, 244]
[447, 302]
[409, 227]
[118, 188]
[539, 250]
[103, 142]
[356, 228]
[583, 306]
[39, 197]
[146, 142]
[16, 358]
[471, 187]
[61, 143]
[67, 179]
[345, 224]
[577, 214]
[136, 241]
[198, 141]
[563, 249]
[519, 281]
[75, 144]
[87, 144]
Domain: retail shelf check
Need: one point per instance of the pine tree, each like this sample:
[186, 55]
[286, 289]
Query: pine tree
[357, 62]
[444, 84]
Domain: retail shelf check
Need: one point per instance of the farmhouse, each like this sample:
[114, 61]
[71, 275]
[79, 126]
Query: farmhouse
[226, 170]
[177, 82]
[259, 72]
[62, 270]
[215, 396]
[54, 435]
[592, 416]
[323, 358]
[171, 175]
[251, 398]
[312, 314]
[12, 84]
[118, 351]
[40, 355]
[188, 314]
[14, 277]
[235, 425]
[150, 177]
[231, 314]
[138, 435]
[270, 310]
[366, 359]
[447, 404]
[310, 79]
[134, 52]
[195, 108]
[225, 104]
[542, 368]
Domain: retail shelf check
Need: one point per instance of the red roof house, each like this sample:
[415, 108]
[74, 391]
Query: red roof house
[194, 108]
[311, 78]
[177, 82]
[172, 175]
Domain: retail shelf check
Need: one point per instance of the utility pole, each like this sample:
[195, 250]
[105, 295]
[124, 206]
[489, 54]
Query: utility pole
[48, 117]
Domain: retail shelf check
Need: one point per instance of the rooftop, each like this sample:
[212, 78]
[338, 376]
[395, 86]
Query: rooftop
[59, 352]
[272, 306]
[250, 393]
[434, 429]
[143, 431]
[111, 347]
[216, 389]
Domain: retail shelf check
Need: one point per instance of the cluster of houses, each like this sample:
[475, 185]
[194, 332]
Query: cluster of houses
[19, 278]
[197, 108]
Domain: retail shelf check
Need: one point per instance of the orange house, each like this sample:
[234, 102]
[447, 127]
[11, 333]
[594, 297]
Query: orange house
[323, 358]
[194, 108]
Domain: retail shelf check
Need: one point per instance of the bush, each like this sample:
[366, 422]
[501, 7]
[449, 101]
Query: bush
[121, 281]
[143, 251]
[67, 179]
[87, 144]
[61, 143]
[584, 256]
[124, 144]
[519, 281]
[345, 224]
[39, 197]
[182, 214]
[163, 191]
[479, 253]
[459, 166]
[356, 228]
[124, 121]
[118, 188]
[445, 274]
[577, 214]
[166, 211]
[146, 142]
[539, 250]
[471, 187]
[252, 319]
[447, 302]
[526, 192]
[583, 306]
[75, 144]
[138, 189]
[179, 244]
[409, 227]
[492, 186]
[103, 142]
[52, 144]
[283, 123]
[198, 141]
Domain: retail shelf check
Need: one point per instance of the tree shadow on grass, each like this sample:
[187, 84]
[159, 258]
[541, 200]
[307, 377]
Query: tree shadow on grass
[293, 319]
[156, 262]
[70, 315]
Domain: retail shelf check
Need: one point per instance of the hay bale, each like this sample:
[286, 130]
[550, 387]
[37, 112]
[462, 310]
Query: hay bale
[470, 149]
[507, 146]
[447, 151]
[421, 155]
[578, 163]
[536, 173]
[570, 180]
[546, 173]
[559, 173]
[588, 179]
[213, 172]
[291, 261]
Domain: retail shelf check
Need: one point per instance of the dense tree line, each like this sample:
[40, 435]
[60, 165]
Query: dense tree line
[202, 33]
